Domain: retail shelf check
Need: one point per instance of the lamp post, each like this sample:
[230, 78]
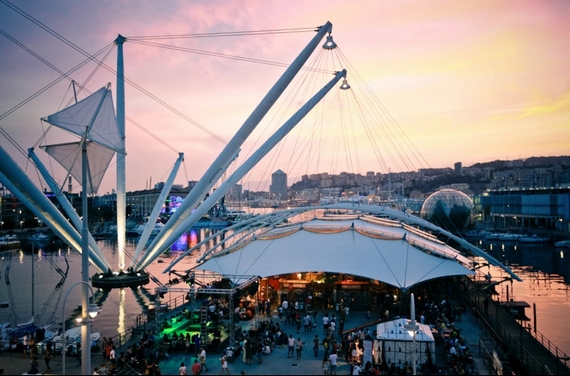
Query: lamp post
[91, 312]
[412, 328]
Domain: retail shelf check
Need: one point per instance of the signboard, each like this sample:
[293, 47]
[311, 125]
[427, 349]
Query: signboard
[351, 287]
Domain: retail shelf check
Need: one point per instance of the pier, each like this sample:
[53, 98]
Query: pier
[527, 351]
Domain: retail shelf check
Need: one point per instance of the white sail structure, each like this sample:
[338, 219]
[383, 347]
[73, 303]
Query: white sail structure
[94, 115]
[69, 156]
[92, 118]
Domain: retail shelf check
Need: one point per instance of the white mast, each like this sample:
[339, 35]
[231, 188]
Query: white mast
[121, 155]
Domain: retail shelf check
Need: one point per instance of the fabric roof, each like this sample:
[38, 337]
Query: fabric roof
[395, 330]
[353, 246]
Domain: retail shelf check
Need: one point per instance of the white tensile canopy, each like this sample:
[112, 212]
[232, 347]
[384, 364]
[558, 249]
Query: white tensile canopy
[92, 119]
[396, 344]
[389, 252]
[69, 156]
[94, 114]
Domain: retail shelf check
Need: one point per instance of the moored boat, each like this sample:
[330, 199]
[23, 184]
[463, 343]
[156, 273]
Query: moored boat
[533, 239]
[510, 237]
[9, 242]
[492, 236]
[39, 237]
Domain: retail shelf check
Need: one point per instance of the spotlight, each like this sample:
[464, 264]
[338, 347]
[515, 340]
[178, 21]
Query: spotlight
[329, 44]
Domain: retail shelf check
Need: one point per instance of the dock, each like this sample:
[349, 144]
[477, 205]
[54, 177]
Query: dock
[527, 351]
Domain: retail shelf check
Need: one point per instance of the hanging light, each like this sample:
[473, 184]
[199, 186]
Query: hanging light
[329, 44]
[93, 310]
[345, 85]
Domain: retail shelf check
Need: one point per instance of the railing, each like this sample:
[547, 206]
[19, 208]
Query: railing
[514, 343]
[176, 302]
[555, 350]
[487, 358]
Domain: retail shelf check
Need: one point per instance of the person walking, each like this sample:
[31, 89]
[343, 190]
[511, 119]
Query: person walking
[333, 358]
[299, 347]
[290, 346]
[196, 367]
[224, 361]
[47, 359]
[26, 344]
[203, 359]
[316, 346]
[113, 356]
[182, 370]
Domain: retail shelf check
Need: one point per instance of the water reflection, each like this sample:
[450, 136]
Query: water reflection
[56, 271]
[545, 274]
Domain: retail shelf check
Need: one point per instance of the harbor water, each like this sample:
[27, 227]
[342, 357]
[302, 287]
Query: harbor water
[33, 284]
[545, 273]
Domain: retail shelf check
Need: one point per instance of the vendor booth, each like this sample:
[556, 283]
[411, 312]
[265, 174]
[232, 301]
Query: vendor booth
[394, 343]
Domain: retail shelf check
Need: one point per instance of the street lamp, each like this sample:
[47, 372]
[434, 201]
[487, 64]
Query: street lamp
[92, 312]
[412, 328]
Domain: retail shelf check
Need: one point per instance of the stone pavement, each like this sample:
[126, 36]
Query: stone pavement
[277, 362]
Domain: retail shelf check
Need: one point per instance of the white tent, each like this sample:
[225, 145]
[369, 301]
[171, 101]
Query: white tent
[385, 251]
[395, 344]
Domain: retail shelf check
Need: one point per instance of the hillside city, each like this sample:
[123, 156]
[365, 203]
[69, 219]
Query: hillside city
[404, 190]
[535, 172]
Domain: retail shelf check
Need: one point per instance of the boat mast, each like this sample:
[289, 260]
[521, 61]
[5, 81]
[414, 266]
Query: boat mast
[121, 155]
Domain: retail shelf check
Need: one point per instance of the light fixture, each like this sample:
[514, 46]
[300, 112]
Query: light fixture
[345, 85]
[78, 319]
[93, 310]
[329, 44]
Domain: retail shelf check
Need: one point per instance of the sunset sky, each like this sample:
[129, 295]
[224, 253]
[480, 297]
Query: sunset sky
[468, 81]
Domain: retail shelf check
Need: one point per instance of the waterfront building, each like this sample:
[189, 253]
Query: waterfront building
[543, 211]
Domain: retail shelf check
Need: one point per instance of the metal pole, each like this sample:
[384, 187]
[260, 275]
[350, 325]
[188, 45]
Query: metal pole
[85, 329]
[121, 156]
[534, 316]
[63, 318]
[522, 358]
[413, 317]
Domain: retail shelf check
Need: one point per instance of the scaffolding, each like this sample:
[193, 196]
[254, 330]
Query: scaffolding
[193, 292]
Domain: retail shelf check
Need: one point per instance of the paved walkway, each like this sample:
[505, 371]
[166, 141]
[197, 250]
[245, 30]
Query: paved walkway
[276, 363]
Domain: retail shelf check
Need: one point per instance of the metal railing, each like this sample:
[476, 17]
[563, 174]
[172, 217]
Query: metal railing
[514, 344]
[487, 358]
